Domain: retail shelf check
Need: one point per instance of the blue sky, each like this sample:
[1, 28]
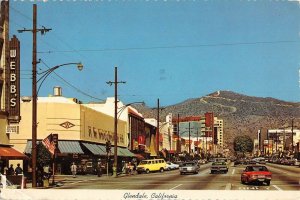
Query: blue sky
[171, 50]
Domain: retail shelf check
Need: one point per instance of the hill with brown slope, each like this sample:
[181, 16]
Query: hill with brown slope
[241, 114]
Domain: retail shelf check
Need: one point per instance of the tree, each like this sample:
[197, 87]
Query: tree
[43, 155]
[243, 144]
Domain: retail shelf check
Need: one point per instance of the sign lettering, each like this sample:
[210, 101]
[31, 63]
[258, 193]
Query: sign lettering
[13, 81]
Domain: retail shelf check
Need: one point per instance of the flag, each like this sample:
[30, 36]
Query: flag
[49, 143]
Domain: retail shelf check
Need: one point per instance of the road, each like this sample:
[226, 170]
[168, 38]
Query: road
[285, 178]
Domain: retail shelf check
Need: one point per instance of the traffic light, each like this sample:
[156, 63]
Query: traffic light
[108, 146]
[55, 140]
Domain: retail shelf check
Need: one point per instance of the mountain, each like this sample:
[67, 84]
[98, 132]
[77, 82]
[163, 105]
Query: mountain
[242, 114]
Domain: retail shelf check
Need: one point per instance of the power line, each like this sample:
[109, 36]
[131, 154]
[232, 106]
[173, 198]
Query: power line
[173, 47]
[72, 86]
[30, 19]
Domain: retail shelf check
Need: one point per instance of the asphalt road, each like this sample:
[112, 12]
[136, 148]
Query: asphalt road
[284, 178]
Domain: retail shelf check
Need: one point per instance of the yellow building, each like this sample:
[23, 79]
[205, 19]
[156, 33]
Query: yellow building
[82, 131]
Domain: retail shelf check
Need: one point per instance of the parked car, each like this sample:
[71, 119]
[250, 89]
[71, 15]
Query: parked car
[252, 162]
[189, 167]
[172, 166]
[152, 165]
[288, 161]
[202, 161]
[219, 167]
[256, 174]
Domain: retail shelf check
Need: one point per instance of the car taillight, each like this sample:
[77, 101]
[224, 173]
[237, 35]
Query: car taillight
[253, 176]
[269, 176]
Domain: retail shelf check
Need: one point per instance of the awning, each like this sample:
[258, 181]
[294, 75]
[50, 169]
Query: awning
[63, 146]
[69, 147]
[126, 152]
[96, 149]
[11, 153]
[119, 152]
[123, 152]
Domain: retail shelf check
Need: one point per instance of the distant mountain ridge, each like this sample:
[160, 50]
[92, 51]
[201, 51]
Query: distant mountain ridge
[242, 114]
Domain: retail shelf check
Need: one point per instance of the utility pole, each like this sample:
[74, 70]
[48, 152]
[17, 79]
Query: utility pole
[197, 142]
[276, 142]
[178, 140]
[189, 137]
[292, 135]
[34, 91]
[157, 129]
[115, 165]
[268, 149]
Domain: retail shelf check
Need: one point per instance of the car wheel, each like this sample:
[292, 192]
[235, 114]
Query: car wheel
[247, 181]
[139, 172]
[181, 173]
[212, 172]
[161, 170]
[268, 182]
[243, 182]
[147, 171]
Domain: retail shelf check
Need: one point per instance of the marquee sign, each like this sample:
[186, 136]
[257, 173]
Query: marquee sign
[13, 80]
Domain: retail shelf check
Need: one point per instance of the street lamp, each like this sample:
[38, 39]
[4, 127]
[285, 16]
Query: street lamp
[45, 74]
[126, 105]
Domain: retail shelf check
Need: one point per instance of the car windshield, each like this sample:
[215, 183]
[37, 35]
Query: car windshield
[257, 168]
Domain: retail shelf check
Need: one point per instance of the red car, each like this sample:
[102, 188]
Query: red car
[256, 174]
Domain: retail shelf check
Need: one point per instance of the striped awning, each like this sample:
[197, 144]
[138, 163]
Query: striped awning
[63, 146]
[95, 149]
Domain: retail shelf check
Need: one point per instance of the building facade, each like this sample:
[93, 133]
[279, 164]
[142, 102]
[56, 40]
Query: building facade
[82, 131]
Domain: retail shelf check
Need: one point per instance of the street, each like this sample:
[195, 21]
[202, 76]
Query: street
[285, 178]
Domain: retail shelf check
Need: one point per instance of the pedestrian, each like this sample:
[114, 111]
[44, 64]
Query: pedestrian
[46, 170]
[129, 168]
[73, 169]
[134, 168]
[11, 170]
[18, 169]
[5, 170]
[99, 169]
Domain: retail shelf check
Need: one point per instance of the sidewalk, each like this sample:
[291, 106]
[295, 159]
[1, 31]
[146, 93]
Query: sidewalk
[61, 180]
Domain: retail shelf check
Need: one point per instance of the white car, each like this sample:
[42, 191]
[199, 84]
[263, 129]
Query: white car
[171, 166]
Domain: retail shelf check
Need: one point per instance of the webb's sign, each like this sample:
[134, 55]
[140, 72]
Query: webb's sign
[13, 81]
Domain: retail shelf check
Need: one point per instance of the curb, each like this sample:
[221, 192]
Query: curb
[228, 186]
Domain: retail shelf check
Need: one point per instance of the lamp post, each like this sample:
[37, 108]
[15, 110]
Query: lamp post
[45, 74]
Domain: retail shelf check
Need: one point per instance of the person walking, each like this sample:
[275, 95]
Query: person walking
[99, 169]
[74, 169]
[18, 169]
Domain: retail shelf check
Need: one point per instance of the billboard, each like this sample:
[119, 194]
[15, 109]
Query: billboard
[13, 81]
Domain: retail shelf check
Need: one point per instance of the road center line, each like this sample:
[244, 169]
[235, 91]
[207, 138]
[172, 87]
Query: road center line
[233, 171]
[277, 188]
[176, 186]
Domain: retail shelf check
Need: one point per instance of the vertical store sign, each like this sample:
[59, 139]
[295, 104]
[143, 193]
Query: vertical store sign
[13, 80]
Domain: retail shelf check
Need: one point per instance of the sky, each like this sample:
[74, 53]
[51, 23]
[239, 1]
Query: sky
[170, 50]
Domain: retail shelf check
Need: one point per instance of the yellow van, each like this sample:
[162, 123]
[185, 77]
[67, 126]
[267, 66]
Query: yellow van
[151, 165]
